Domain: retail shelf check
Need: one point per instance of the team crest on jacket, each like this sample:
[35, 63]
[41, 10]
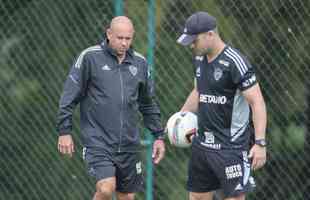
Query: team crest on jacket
[218, 73]
[198, 71]
[133, 70]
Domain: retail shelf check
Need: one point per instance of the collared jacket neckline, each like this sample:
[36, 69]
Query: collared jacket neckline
[129, 58]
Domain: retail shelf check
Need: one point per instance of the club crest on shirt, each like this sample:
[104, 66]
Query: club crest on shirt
[139, 167]
[133, 70]
[198, 71]
[218, 73]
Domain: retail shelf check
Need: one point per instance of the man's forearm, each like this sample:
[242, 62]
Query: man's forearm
[259, 119]
[191, 103]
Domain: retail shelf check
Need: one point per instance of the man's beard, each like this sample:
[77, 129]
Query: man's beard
[200, 52]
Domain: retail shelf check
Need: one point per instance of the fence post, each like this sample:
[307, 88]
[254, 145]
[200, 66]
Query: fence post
[118, 7]
[150, 58]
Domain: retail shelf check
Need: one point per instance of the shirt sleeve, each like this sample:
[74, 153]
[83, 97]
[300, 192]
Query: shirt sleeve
[74, 89]
[149, 107]
[243, 73]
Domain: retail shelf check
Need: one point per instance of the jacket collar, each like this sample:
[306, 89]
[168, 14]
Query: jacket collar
[129, 57]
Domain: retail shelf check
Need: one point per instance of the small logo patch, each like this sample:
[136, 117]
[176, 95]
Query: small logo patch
[209, 137]
[139, 167]
[239, 187]
[106, 68]
[149, 73]
[200, 58]
[133, 70]
[218, 73]
[84, 153]
[198, 71]
[92, 171]
[233, 171]
[224, 62]
[252, 181]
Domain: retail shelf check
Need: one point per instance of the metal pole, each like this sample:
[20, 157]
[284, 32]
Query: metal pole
[150, 58]
[118, 7]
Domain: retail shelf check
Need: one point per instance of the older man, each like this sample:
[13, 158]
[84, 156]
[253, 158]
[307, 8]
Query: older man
[112, 83]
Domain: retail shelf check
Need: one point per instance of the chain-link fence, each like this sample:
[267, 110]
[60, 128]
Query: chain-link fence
[40, 38]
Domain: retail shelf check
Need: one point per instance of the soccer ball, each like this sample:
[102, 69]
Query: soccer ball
[181, 126]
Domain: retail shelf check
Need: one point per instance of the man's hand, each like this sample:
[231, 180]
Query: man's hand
[158, 151]
[66, 145]
[258, 155]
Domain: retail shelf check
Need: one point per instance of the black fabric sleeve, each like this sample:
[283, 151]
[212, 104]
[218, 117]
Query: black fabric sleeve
[243, 73]
[74, 89]
[149, 107]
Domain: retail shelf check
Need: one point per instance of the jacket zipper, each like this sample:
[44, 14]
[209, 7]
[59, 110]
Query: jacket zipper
[121, 112]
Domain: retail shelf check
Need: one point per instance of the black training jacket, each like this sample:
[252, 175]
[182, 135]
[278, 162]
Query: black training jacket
[110, 96]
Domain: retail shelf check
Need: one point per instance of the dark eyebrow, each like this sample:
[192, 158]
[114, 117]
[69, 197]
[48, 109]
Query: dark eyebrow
[121, 37]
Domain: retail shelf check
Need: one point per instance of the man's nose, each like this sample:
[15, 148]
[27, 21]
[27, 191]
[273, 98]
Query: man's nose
[124, 42]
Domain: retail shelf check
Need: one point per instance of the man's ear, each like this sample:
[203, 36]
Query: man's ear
[210, 33]
[109, 33]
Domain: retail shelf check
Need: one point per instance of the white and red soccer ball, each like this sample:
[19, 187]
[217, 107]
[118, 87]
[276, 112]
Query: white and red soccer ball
[181, 127]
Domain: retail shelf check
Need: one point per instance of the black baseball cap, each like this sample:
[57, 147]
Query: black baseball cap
[199, 22]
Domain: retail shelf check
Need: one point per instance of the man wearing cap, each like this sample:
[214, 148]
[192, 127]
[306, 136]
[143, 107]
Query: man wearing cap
[230, 107]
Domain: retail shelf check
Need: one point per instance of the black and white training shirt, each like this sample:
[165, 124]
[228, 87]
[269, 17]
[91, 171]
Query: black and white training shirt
[224, 114]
